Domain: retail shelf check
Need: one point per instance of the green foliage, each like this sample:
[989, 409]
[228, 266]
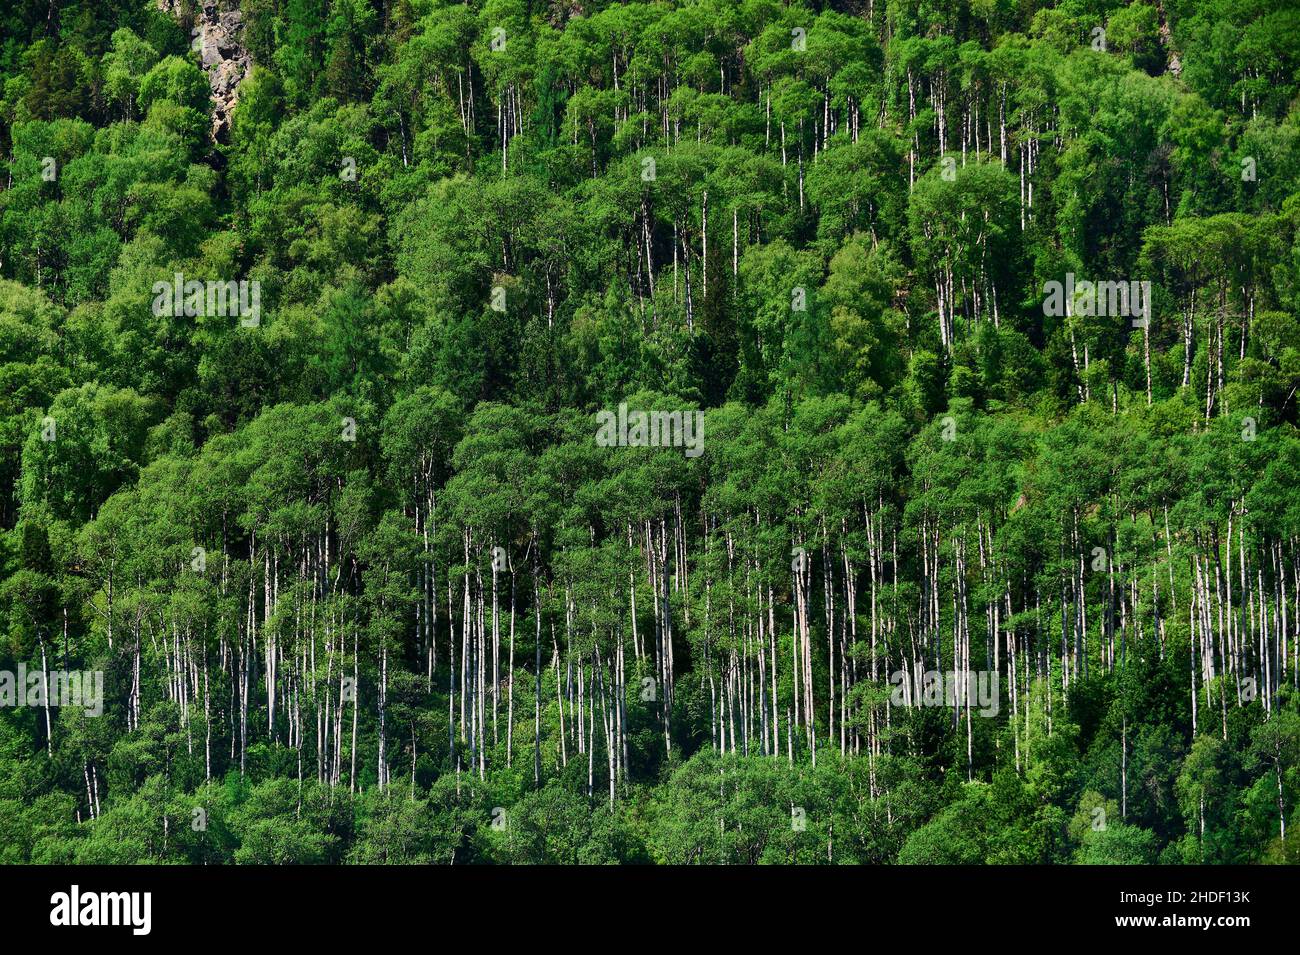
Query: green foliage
[362, 585]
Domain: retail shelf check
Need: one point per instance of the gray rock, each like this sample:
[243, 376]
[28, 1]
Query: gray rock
[219, 35]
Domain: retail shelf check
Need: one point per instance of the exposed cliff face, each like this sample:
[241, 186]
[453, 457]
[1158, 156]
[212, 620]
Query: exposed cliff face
[218, 37]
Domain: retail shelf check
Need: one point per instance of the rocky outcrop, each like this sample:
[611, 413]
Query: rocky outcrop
[1172, 61]
[218, 38]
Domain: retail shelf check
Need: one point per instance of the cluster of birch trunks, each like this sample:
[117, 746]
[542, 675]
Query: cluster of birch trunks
[713, 613]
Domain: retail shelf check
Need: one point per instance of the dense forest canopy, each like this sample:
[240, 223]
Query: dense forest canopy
[353, 354]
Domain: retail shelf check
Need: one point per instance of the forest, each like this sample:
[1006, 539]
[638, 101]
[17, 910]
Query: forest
[663, 431]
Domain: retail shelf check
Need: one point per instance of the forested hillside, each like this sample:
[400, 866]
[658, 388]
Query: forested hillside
[964, 529]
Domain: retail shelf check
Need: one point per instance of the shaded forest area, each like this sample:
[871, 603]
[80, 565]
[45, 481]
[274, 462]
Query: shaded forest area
[365, 588]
